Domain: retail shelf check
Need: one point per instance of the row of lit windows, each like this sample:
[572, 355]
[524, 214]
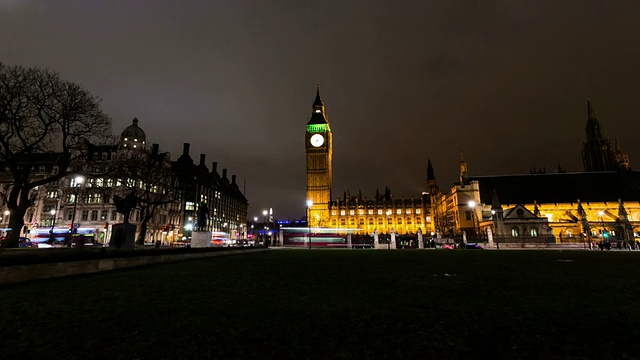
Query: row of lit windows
[87, 198]
[371, 212]
[371, 221]
[515, 232]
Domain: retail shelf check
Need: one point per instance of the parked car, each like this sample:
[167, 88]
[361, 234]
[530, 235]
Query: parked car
[473, 246]
[24, 242]
[41, 244]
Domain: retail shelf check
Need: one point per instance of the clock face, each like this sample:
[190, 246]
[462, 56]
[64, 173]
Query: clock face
[317, 140]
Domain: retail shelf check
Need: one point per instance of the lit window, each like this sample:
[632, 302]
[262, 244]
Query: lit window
[334, 213]
[135, 140]
[134, 146]
[428, 218]
[360, 212]
[380, 212]
[408, 211]
[515, 232]
[352, 212]
[370, 212]
[418, 211]
[125, 139]
[534, 232]
[399, 211]
[343, 213]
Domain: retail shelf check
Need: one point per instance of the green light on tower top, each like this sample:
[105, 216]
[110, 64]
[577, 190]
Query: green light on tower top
[317, 127]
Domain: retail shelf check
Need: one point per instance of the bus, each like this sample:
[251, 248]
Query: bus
[62, 234]
[220, 238]
[317, 237]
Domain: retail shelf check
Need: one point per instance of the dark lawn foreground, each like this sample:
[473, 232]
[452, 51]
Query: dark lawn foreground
[342, 304]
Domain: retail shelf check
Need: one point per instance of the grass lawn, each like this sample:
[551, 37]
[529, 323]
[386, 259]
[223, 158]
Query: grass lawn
[340, 304]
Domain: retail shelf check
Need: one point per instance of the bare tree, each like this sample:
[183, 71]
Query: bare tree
[148, 175]
[43, 118]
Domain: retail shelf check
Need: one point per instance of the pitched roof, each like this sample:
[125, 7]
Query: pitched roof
[561, 188]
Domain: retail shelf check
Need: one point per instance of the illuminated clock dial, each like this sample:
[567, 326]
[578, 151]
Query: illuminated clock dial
[317, 140]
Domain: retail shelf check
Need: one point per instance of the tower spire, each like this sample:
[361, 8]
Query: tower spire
[318, 100]
[430, 175]
[317, 116]
[593, 130]
[463, 170]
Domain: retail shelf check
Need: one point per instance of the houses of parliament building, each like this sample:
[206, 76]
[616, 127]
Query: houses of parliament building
[601, 203]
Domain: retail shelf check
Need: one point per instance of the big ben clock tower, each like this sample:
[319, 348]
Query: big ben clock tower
[319, 150]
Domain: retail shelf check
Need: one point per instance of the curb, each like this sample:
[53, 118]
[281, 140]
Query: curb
[21, 273]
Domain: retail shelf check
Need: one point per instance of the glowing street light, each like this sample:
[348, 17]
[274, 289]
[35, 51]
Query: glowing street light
[266, 226]
[78, 180]
[472, 205]
[53, 224]
[605, 235]
[309, 205]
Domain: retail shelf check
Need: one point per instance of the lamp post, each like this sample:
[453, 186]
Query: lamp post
[256, 231]
[78, 181]
[53, 224]
[388, 232]
[604, 230]
[309, 205]
[266, 226]
[472, 206]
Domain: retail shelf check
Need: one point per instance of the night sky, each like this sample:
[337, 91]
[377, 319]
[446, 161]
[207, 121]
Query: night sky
[505, 82]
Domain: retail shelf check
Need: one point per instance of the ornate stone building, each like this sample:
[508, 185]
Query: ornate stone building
[86, 199]
[599, 204]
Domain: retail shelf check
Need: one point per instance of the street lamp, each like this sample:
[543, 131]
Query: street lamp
[388, 232]
[53, 224]
[78, 180]
[266, 227]
[472, 205]
[309, 205]
[604, 230]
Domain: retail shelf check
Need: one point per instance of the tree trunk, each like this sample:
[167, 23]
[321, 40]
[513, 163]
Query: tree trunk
[16, 222]
[143, 232]
[18, 204]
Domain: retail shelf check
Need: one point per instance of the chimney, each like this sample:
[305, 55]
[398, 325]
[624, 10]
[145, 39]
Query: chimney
[233, 179]
[224, 173]
[185, 149]
[202, 156]
[154, 149]
[214, 167]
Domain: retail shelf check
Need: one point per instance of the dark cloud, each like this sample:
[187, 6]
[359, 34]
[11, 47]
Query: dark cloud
[403, 81]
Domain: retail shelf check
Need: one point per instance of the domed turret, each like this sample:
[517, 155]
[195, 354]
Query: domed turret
[133, 137]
